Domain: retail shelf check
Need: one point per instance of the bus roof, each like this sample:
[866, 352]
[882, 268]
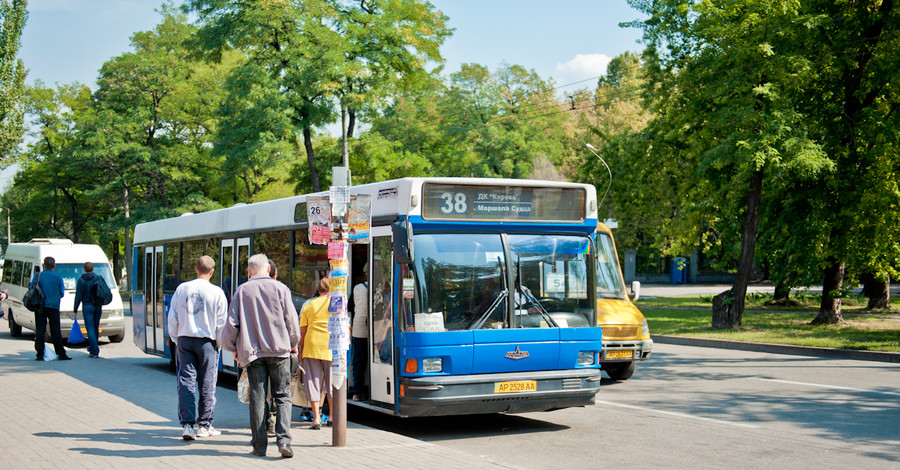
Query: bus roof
[389, 198]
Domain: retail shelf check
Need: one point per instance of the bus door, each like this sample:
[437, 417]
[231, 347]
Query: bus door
[155, 326]
[233, 256]
[381, 330]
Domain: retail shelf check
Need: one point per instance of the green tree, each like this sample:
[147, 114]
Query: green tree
[726, 76]
[852, 104]
[12, 78]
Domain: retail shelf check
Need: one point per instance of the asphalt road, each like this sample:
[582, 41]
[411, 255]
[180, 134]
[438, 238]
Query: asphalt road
[691, 407]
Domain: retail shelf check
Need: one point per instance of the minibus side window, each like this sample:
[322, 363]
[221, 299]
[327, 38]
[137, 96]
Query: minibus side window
[7, 272]
[17, 274]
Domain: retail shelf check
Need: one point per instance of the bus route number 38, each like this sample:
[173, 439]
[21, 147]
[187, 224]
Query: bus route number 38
[454, 203]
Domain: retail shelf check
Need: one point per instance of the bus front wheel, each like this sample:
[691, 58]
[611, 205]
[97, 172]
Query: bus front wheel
[116, 338]
[15, 329]
[620, 371]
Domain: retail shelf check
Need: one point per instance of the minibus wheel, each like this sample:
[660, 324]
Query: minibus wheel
[116, 338]
[619, 371]
[15, 330]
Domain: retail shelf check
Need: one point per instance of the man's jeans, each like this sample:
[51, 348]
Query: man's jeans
[198, 362]
[92, 316]
[277, 371]
[41, 317]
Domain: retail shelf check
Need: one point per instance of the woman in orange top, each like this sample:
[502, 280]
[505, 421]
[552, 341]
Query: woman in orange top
[314, 351]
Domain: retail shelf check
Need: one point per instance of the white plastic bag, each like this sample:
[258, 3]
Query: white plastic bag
[50, 354]
[243, 388]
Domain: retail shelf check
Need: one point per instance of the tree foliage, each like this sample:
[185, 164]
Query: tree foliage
[12, 78]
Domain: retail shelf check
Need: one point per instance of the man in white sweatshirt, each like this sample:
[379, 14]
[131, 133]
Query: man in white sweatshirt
[197, 314]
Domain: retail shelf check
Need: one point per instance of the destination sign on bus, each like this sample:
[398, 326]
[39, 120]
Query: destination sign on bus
[503, 203]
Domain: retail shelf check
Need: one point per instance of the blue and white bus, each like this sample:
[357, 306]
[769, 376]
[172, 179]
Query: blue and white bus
[482, 293]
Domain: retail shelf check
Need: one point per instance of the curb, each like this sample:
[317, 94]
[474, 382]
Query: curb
[832, 353]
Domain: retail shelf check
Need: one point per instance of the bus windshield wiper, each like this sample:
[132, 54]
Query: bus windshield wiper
[504, 292]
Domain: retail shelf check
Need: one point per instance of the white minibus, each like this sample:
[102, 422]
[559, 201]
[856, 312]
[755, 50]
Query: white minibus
[23, 260]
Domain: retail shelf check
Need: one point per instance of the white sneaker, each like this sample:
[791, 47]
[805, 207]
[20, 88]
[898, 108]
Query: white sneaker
[205, 431]
[189, 434]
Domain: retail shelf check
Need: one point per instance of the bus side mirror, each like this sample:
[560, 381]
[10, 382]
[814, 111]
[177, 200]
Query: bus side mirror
[402, 239]
[635, 290]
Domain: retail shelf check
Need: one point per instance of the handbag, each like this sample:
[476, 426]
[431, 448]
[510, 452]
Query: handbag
[298, 390]
[243, 388]
[34, 297]
[295, 363]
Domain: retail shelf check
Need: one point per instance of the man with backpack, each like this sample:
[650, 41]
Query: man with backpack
[91, 291]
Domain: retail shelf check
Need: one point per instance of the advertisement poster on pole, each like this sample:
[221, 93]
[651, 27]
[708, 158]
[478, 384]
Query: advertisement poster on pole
[359, 218]
[319, 217]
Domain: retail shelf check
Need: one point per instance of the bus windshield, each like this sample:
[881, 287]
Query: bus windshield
[463, 281]
[609, 283]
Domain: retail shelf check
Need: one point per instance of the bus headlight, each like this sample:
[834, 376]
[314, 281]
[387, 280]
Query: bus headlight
[645, 328]
[586, 358]
[432, 364]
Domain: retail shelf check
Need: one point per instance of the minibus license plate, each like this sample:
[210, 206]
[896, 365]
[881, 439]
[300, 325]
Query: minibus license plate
[619, 354]
[512, 387]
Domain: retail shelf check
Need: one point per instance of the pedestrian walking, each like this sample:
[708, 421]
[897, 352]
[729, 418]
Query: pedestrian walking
[197, 314]
[54, 290]
[262, 331]
[92, 310]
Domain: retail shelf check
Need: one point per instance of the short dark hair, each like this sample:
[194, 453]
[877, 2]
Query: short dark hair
[49, 263]
[273, 270]
[88, 267]
[205, 264]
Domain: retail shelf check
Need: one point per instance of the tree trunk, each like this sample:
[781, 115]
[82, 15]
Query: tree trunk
[311, 158]
[723, 311]
[878, 292]
[117, 262]
[830, 309]
[128, 248]
[745, 267]
[782, 291]
[351, 124]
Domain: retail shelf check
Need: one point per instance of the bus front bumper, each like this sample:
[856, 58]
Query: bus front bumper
[494, 393]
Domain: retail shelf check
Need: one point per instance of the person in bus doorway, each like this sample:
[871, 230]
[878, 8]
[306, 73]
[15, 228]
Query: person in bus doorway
[262, 331]
[54, 290]
[92, 312]
[314, 352]
[197, 316]
[359, 337]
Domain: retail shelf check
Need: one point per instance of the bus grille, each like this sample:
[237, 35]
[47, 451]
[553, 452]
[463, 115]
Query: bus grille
[620, 332]
[570, 384]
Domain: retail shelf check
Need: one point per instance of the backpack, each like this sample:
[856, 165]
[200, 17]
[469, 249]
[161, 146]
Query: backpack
[100, 293]
[34, 298]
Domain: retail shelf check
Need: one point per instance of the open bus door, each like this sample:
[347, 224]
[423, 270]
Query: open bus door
[381, 324]
[233, 256]
[154, 305]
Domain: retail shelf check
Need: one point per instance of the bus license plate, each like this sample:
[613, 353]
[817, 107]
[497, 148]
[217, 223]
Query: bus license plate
[619, 354]
[512, 387]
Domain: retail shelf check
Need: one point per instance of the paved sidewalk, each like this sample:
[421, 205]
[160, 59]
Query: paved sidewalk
[120, 412]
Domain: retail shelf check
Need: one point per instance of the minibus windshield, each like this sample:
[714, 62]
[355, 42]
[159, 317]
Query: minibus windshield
[71, 272]
[609, 283]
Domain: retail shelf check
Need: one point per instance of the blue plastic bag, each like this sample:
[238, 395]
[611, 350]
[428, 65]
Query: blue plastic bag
[75, 336]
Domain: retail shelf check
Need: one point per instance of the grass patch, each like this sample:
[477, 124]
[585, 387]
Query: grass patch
[799, 302]
[867, 332]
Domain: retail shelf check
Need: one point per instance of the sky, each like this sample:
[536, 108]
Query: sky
[572, 41]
